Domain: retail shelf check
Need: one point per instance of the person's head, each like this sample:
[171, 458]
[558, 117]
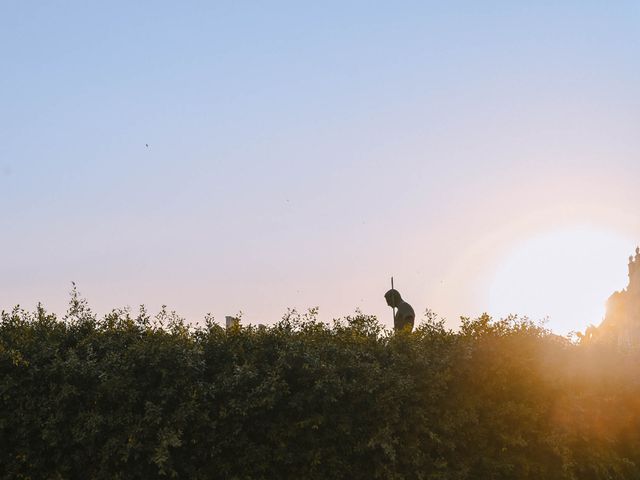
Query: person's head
[393, 297]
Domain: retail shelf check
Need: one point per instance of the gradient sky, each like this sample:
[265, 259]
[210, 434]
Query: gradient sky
[300, 153]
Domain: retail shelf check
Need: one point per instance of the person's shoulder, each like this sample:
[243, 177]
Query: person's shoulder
[406, 308]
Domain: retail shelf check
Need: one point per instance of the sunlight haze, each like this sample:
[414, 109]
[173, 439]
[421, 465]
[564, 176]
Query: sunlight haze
[565, 275]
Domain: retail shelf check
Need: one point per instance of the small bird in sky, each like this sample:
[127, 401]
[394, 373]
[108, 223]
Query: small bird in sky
[146, 145]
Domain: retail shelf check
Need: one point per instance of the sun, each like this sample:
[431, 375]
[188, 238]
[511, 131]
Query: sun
[565, 275]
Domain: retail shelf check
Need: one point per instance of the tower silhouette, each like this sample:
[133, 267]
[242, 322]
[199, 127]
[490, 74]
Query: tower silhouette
[621, 323]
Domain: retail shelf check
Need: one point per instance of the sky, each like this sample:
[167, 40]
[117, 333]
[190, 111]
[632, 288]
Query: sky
[301, 153]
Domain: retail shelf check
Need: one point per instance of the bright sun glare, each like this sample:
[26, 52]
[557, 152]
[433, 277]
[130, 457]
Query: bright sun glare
[565, 275]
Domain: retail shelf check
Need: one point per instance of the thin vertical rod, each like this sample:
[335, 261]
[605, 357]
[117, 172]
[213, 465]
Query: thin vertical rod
[393, 307]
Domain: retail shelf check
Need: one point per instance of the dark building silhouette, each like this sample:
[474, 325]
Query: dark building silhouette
[621, 323]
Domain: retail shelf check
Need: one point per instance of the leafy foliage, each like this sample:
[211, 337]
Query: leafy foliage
[133, 397]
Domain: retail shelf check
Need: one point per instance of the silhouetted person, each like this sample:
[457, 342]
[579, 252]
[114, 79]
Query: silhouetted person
[405, 315]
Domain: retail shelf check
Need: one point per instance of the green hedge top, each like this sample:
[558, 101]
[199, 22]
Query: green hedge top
[131, 397]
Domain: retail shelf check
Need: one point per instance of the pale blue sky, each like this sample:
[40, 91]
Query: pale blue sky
[295, 146]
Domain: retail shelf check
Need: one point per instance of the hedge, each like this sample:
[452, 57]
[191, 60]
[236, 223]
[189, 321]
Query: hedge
[128, 396]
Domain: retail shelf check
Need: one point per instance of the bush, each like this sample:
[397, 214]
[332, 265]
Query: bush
[131, 397]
